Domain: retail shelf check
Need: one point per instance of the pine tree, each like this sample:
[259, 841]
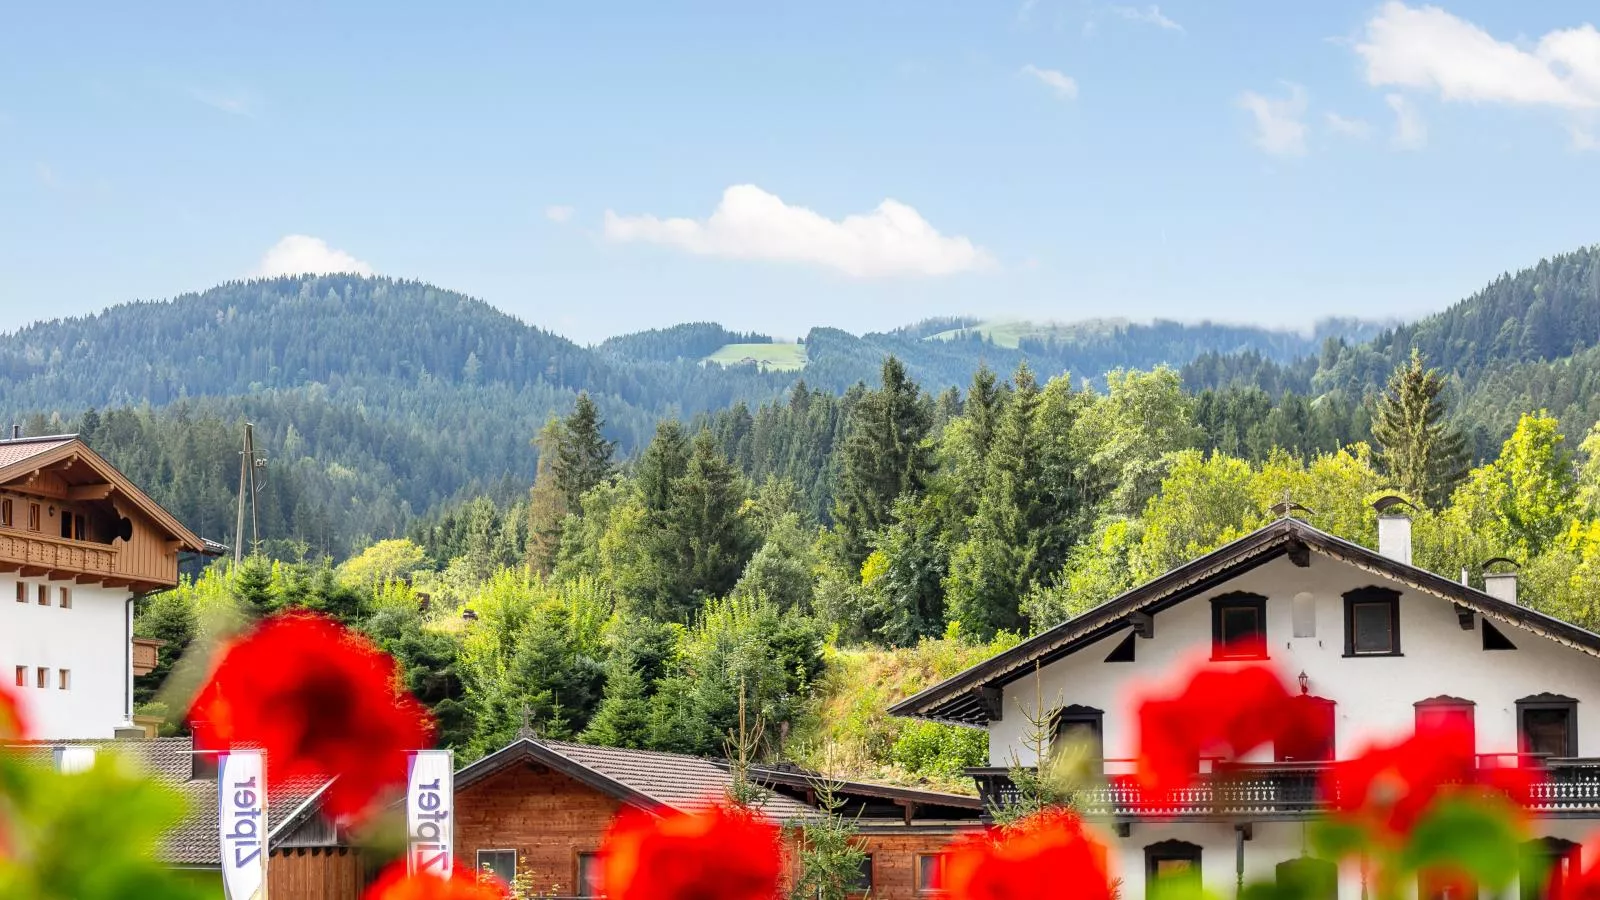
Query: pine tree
[623, 719]
[884, 455]
[584, 455]
[706, 540]
[547, 502]
[1419, 451]
[662, 463]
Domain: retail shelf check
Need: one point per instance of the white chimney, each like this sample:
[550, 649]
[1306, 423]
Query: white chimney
[72, 760]
[1501, 585]
[1394, 537]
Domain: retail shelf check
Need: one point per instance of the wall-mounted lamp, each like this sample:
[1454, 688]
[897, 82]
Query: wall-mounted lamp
[1305, 682]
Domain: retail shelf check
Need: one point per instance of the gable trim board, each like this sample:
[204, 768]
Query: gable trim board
[959, 700]
[57, 448]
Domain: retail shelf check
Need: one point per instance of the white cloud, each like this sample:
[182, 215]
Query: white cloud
[232, 103]
[558, 214]
[1583, 139]
[1355, 128]
[1409, 131]
[750, 223]
[1150, 15]
[299, 254]
[1280, 126]
[1429, 49]
[1063, 84]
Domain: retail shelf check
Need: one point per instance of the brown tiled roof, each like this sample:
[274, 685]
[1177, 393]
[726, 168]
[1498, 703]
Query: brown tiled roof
[169, 761]
[648, 779]
[18, 449]
[671, 779]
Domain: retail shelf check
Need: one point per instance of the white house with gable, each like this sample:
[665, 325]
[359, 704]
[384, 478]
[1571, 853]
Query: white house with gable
[79, 544]
[1375, 643]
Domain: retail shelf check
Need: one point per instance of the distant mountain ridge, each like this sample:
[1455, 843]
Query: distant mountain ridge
[380, 399]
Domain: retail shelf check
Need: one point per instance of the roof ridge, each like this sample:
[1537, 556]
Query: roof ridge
[630, 750]
[40, 438]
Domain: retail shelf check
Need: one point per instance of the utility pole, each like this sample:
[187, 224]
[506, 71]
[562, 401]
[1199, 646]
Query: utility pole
[248, 463]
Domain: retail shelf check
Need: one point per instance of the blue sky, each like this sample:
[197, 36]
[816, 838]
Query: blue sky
[855, 164]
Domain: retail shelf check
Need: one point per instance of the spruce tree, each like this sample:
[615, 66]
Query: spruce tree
[584, 455]
[1418, 450]
[885, 454]
[547, 502]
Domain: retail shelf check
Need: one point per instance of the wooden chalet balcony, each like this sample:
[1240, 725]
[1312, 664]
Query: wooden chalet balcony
[37, 554]
[1254, 792]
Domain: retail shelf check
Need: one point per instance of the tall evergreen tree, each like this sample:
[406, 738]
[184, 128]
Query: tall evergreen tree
[1418, 449]
[703, 540]
[884, 455]
[584, 453]
[547, 502]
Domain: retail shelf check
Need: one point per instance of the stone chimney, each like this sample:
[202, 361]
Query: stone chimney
[1500, 585]
[1394, 529]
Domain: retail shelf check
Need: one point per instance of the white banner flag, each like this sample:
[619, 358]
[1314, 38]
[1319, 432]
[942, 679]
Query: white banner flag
[430, 813]
[242, 811]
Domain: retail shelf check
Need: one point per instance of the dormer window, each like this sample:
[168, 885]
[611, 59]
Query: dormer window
[1239, 626]
[1372, 622]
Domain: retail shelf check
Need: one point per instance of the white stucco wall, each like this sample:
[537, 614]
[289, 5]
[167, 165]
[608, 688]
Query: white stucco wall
[1374, 695]
[89, 640]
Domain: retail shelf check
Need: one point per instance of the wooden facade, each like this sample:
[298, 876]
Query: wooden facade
[553, 815]
[316, 873]
[548, 818]
[67, 514]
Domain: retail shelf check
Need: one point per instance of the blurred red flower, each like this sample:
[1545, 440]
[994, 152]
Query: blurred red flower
[1388, 788]
[1046, 855]
[1221, 711]
[1577, 883]
[395, 884]
[13, 724]
[320, 701]
[718, 854]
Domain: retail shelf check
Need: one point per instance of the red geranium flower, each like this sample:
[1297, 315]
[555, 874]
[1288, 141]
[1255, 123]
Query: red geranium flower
[13, 724]
[1046, 855]
[1223, 712]
[718, 854]
[320, 701]
[395, 884]
[1575, 883]
[1389, 788]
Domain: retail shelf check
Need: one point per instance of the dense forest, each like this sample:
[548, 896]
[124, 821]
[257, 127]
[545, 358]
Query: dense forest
[365, 434]
[820, 543]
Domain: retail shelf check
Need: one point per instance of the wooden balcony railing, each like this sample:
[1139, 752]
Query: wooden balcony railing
[1570, 787]
[54, 554]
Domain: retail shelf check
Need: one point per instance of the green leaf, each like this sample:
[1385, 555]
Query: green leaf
[1476, 836]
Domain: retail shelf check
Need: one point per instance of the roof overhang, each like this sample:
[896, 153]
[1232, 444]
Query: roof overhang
[73, 449]
[971, 697]
[528, 750]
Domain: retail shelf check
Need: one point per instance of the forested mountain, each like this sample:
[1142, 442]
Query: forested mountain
[378, 400]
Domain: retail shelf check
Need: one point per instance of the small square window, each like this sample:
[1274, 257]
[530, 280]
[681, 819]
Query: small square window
[1372, 622]
[43, 593]
[66, 597]
[502, 864]
[22, 676]
[1239, 626]
[22, 592]
[64, 679]
[42, 677]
